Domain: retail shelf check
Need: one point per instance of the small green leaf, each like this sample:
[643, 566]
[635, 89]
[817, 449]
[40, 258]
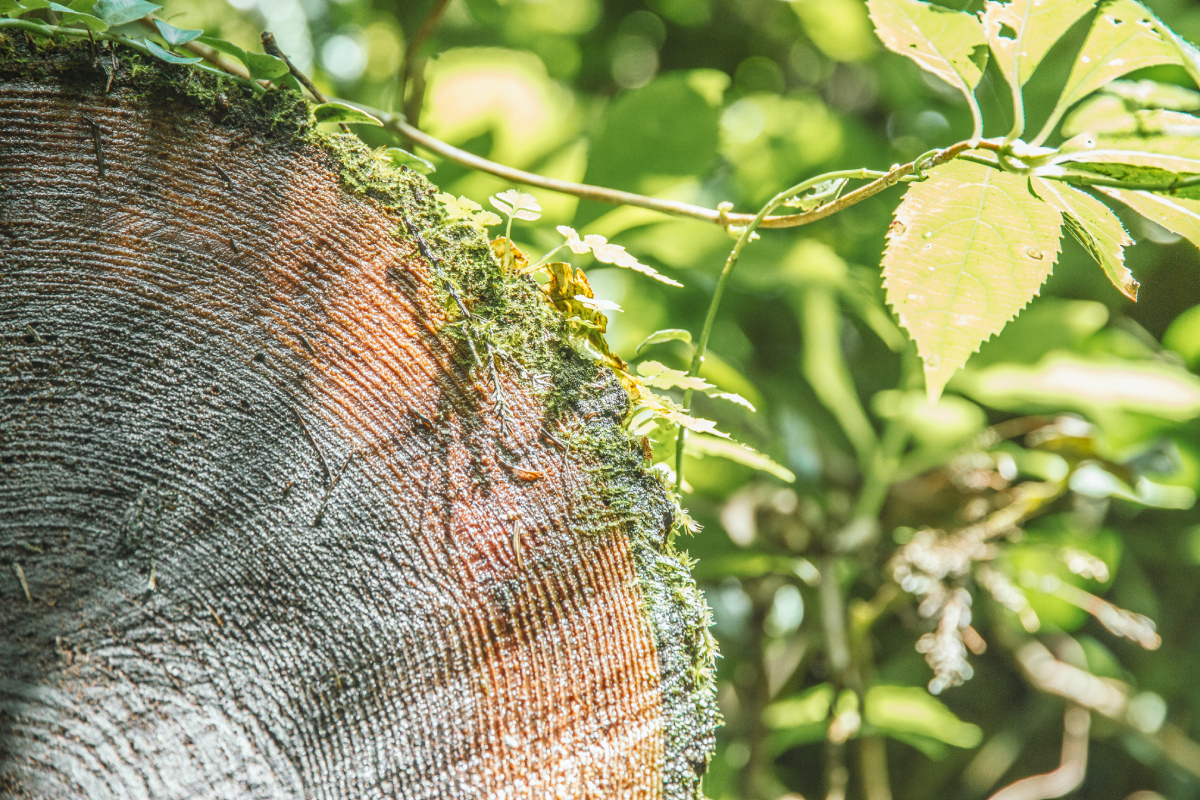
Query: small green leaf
[402, 158]
[661, 377]
[666, 335]
[1096, 227]
[264, 67]
[343, 113]
[968, 249]
[704, 445]
[609, 253]
[1176, 214]
[71, 16]
[168, 56]
[1123, 38]
[222, 46]
[950, 44]
[910, 710]
[1036, 26]
[597, 304]
[517, 204]
[119, 12]
[176, 36]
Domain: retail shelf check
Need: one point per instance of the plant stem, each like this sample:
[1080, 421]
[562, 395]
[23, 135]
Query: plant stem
[412, 74]
[723, 279]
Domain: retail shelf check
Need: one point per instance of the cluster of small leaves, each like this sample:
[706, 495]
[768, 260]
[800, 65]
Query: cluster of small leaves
[971, 246]
[654, 414]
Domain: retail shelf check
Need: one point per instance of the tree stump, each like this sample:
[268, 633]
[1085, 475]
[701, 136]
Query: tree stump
[299, 495]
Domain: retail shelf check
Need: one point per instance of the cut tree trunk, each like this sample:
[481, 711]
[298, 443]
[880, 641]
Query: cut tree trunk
[277, 518]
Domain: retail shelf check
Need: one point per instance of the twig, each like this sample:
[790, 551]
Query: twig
[312, 440]
[1071, 769]
[413, 70]
[329, 491]
[271, 47]
[24, 584]
[396, 124]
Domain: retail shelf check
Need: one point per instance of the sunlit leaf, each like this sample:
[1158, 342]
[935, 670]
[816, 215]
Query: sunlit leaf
[176, 36]
[517, 204]
[609, 253]
[343, 113]
[1061, 381]
[661, 377]
[71, 16]
[119, 12]
[264, 67]
[666, 335]
[1176, 214]
[597, 304]
[731, 397]
[704, 445]
[968, 249]
[1035, 26]
[168, 56]
[1096, 227]
[913, 711]
[1107, 115]
[402, 158]
[1123, 39]
[1153, 94]
[950, 44]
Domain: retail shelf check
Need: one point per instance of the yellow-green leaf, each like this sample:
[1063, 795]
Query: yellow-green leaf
[665, 335]
[1123, 38]
[343, 113]
[661, 377]
[1174, 213]
[1096, 227]
[705, 445]
[968, 249]
[1035, 26]
[950, 44]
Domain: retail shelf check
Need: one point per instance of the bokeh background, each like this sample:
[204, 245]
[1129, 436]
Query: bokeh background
[714, 100]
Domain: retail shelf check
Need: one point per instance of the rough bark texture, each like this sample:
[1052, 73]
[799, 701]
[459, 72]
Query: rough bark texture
[266, 529]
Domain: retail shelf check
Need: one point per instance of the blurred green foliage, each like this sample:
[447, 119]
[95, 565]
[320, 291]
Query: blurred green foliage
[714, 100]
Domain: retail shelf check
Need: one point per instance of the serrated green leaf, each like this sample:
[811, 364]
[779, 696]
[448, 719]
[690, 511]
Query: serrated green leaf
[168, 56]
[1176, 214]
[1107, 115]
[517, 204]
[968, 249]
[665, 335]
[71, 16]
[176, 36]
[1036, 26]
[732, 397]
[264, 67]
[950, 44]
[704, 445]
[119, 12]
[343, 113]
[1123, 38]
[1189, 56]
[1096, 227]
[402, 158]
